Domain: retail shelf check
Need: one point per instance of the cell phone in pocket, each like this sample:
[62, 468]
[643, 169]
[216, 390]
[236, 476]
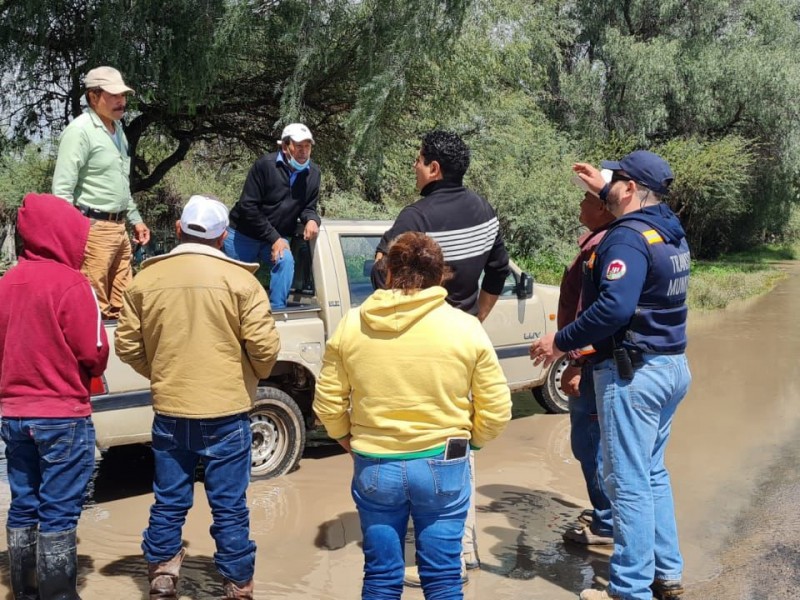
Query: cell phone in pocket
[456, 448]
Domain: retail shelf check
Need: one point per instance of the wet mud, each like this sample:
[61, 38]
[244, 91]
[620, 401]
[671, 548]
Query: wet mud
[733, 458]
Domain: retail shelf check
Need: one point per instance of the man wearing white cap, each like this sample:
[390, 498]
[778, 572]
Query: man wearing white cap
[280, 188]
[93, 173]
[198, 325]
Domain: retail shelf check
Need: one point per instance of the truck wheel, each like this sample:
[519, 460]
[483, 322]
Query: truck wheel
[550, 395]
[279, 434]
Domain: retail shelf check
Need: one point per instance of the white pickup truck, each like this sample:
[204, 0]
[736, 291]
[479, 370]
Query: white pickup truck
[331, 276]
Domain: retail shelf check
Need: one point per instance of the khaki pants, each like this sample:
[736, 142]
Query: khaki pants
[107, 264]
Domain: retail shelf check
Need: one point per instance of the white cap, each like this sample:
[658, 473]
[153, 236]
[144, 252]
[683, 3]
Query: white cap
[297, 132]
[605, 174]
[204, 217]
[106, 78]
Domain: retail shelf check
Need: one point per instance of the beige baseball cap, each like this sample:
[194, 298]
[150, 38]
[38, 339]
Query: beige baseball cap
[108, 79]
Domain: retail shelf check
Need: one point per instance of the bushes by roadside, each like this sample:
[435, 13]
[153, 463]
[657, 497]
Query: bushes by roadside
[714, 284]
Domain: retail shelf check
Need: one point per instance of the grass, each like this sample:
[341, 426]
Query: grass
[714, 284]
[737, 276]
[545, 268]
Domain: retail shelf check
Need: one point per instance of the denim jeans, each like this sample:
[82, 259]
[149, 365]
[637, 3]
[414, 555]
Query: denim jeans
[223, 446]
[635, 421]
[50, 464]
[585, 439]
[436, 494]
[240, 247]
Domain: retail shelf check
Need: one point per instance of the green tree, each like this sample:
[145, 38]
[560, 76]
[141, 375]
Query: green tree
[206, 70]
[21, 172]
[713, 81]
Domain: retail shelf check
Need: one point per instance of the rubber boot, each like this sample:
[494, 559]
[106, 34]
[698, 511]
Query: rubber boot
[57, 565]
[233, 590]
[22, 562]
[163, 577]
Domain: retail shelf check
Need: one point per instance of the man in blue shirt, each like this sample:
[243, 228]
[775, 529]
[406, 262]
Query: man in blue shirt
[633, 328]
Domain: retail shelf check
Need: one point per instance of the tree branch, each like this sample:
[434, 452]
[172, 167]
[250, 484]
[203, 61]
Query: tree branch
[163, 167]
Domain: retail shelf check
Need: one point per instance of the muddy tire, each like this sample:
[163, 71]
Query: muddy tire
[550, 395]
[279, 434]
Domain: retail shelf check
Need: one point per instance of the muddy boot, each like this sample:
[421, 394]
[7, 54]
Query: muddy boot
[163, 577]
[667, 589]
[22, 562]
[234, 590]
[57, 565]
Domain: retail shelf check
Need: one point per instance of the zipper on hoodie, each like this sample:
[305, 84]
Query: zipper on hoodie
[99, 317]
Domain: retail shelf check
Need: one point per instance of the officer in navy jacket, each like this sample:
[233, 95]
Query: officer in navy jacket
[633, 328]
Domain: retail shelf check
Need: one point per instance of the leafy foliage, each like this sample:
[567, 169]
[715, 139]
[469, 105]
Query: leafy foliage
[21, 172]
[714, 86]
[206, 70]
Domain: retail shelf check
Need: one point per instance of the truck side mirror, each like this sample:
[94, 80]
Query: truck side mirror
[525, 286]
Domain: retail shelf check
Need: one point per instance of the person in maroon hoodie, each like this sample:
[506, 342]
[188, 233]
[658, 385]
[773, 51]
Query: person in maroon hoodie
[52, 342]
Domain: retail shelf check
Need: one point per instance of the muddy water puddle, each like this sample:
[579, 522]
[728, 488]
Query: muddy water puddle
[729, 441]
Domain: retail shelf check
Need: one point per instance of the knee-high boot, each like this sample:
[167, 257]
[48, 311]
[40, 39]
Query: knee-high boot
[22, 561]
[57, 565]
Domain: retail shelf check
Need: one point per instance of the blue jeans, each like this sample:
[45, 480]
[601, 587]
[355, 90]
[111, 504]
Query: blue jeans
[635, 421]
[223, 446]
[240, 247]
[436, 494]
[585, 439]
[50, 464]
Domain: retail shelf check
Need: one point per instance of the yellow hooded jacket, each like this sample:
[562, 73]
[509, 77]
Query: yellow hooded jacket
[398, 373]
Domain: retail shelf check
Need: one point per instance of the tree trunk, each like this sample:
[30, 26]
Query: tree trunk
[8, 250]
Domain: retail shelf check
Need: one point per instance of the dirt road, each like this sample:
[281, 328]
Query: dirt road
[733, 456]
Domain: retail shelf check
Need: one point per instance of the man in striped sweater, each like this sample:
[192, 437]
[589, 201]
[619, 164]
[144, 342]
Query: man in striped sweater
[464, 224]
[466, 227]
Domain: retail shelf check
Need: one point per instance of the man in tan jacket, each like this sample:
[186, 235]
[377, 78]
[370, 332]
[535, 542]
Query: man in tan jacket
[198, 324]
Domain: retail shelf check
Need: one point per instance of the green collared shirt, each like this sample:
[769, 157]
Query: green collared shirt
[91, 170]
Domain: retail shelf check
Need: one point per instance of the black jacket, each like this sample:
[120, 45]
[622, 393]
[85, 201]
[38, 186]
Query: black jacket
[466, 227]
[269, 207]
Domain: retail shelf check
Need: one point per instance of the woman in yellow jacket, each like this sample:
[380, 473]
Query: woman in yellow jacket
[409, 386]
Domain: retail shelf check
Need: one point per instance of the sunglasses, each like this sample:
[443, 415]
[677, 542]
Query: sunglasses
[619, 176]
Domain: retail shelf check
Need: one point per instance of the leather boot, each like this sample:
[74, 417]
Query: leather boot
[233, 590]
[57, 565]
[22, 562]
[667, 589]
[163, 577]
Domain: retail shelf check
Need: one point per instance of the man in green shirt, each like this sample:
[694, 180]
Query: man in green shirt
[93, 172]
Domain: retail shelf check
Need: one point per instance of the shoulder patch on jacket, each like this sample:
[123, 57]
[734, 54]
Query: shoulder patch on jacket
[652, 236]
[616, 270]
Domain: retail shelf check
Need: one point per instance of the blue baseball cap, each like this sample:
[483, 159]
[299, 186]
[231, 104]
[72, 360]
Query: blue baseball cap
[645, 168]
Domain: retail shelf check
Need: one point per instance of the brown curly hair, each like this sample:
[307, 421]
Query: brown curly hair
[415, 262]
